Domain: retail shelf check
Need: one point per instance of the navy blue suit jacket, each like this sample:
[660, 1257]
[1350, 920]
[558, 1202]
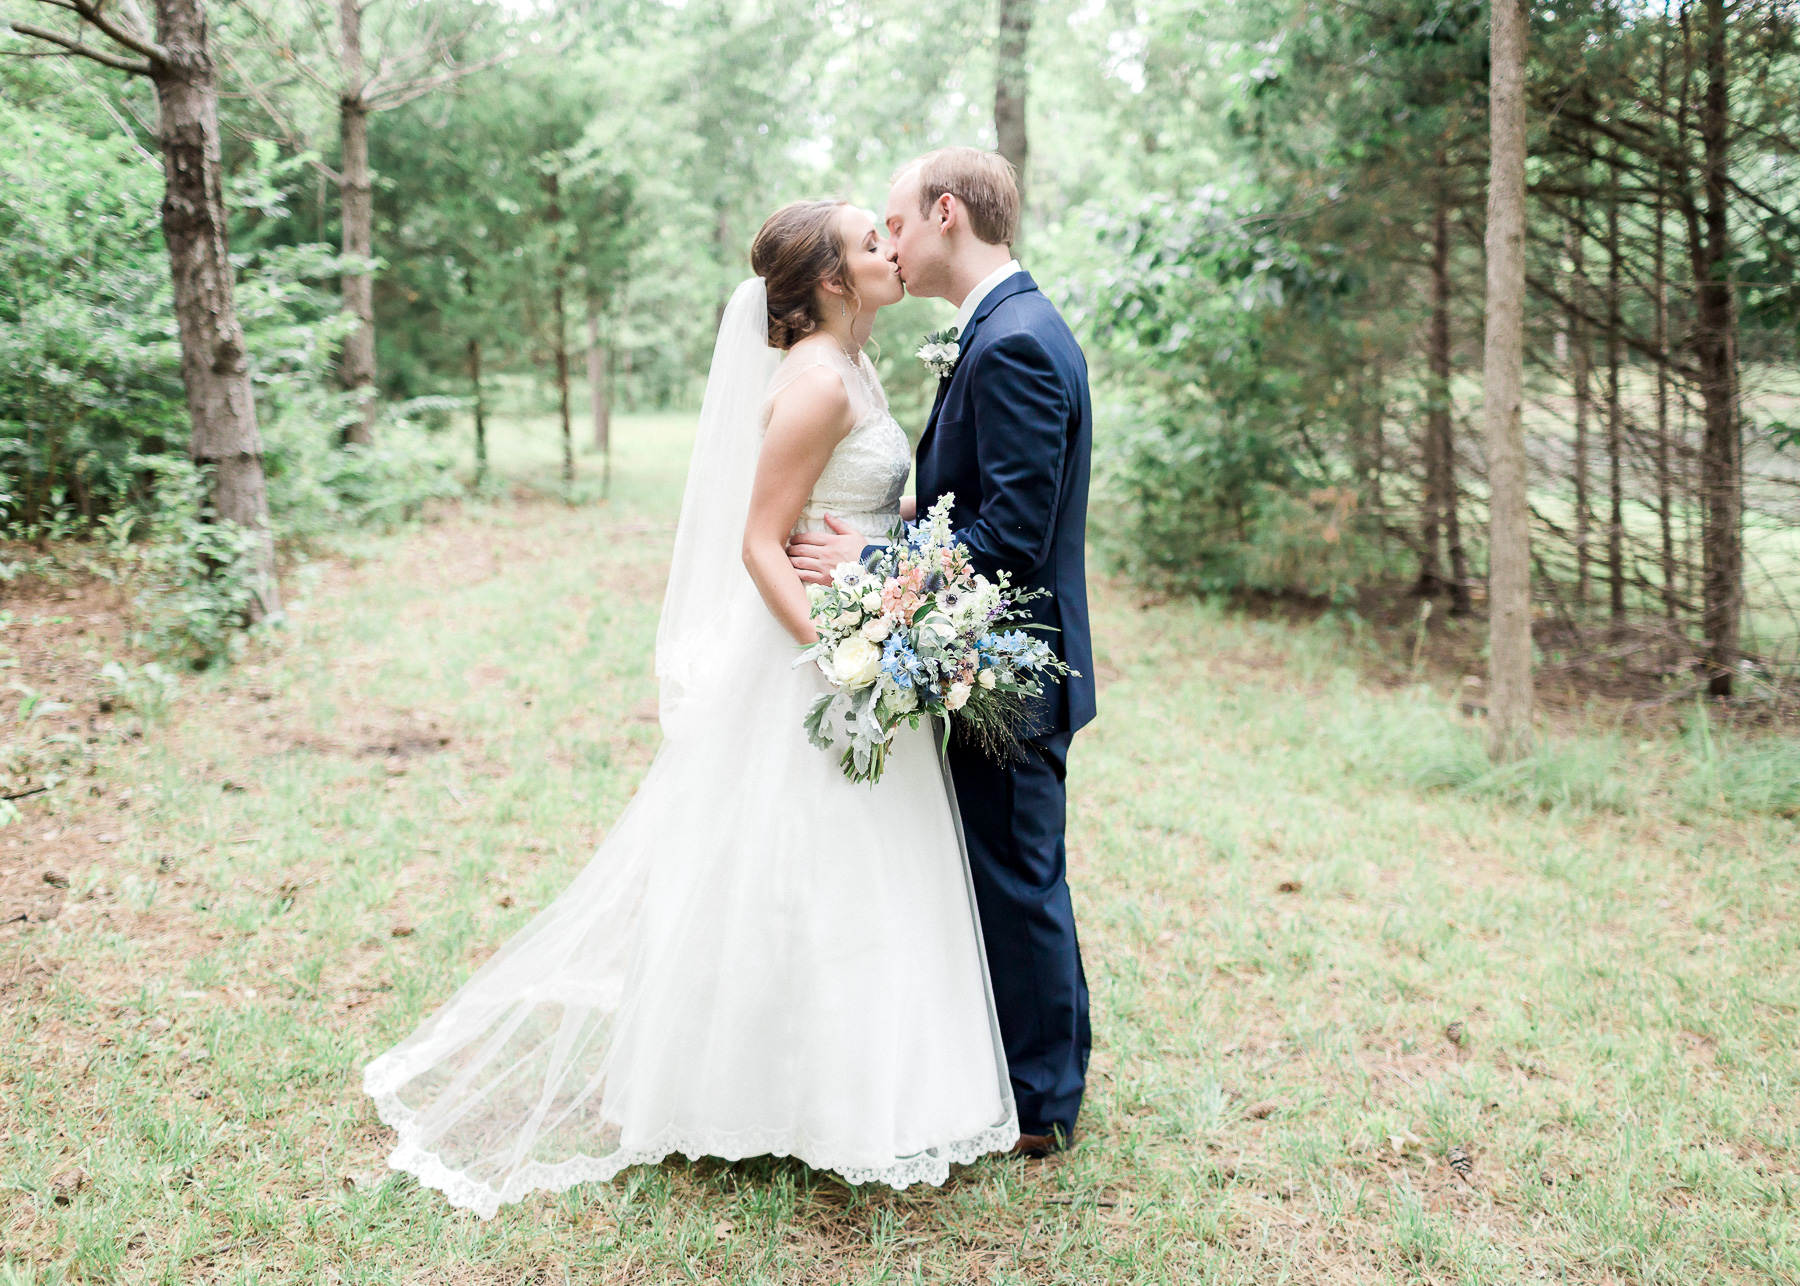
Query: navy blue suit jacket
[1010, 434]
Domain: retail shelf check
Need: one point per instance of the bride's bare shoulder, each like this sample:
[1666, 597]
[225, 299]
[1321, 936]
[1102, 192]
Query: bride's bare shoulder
[814, 399]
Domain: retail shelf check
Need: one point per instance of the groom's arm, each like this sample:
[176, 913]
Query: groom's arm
[1021, 412]
[816, 554]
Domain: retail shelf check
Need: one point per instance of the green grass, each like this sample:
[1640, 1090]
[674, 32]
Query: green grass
[1290, 884]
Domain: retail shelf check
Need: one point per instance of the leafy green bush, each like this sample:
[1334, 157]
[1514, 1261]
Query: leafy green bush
[89, 369]
[1244, 367]
[195, 575]
[1211, 508]
[316, 488]
[93, 418]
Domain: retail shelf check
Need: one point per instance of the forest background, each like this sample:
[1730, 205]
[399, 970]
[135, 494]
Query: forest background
[1369, 1006]
[1266, 223]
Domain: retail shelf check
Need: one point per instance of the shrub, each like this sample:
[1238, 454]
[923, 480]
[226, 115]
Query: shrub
[1210, 509]
[194, 575]
[316, 488]
[1246, 363]
[89, 368]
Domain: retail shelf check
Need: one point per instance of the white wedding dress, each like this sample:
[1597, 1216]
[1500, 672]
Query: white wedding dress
[761, 958]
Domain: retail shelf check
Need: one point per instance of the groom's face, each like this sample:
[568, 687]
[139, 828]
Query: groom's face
[916, 239]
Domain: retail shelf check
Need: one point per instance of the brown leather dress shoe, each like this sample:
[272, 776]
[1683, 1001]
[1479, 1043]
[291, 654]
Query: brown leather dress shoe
[1035, 1146]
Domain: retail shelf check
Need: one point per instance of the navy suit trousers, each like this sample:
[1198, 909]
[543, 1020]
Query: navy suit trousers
[1012, 816]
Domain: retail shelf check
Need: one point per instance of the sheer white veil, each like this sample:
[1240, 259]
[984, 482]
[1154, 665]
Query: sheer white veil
[707, 580]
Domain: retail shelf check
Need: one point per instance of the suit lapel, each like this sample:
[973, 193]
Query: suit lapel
[1016, 284]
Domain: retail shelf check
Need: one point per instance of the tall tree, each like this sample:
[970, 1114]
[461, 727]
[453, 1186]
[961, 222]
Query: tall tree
[1011, 80]
[1442, 514]
[477, 390]
[225, 438]
[419, 51]
[1582, 359]
[1509, 536]
[1665, 482]
[1615, 407]
[599, 391]
[356, 219]
[1715, 354]
[559, 316]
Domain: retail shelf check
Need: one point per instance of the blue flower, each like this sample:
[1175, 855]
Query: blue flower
[900, 662]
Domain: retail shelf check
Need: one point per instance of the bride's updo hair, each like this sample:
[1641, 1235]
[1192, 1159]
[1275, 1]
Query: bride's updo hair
[798, 248]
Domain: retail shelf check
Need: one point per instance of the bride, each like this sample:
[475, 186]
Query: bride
[762, 958]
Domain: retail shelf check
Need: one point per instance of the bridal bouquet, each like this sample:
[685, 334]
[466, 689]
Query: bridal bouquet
[911, 631]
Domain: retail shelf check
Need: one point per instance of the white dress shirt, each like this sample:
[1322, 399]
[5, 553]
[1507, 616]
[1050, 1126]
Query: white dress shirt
[981, 292]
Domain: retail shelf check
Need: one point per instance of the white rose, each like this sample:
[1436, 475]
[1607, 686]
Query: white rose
[985, 678]
[957, 697]
[877, 628]
[814, 593]
[847, 620]
[856, 662]
[871, 602]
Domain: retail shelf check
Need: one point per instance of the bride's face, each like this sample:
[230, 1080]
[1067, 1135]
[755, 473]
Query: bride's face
[872, 268]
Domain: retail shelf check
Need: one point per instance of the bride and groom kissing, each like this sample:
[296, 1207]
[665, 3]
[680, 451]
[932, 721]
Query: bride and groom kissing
[763, 958]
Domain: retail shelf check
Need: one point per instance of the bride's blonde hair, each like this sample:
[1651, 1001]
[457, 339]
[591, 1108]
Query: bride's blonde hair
[799, 247]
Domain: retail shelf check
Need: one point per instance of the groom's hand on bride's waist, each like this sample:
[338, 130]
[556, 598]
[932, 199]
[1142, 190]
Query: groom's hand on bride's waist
[815, 553]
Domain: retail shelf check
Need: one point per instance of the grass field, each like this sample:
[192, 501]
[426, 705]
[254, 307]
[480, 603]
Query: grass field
[1364, 1010]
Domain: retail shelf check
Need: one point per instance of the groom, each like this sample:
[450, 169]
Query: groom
[1010, 434]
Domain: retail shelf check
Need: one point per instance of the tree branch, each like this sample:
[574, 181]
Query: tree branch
[137, 42]
[385, 100]
[73, 45]
[290, 135]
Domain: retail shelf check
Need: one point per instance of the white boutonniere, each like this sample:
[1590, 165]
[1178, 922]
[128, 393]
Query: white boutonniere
[939, 352]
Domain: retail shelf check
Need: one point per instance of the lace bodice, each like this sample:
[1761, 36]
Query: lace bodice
[863, 481]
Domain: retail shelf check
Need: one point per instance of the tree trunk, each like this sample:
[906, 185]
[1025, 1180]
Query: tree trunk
[1665, 489]
[1010, 83]
[1509, 562]
[1439, 484]
[481, 456]
[215, 369]
[474, 350]
[1615, 424]
[1665, 499]
[562, 386]
[1459, 558]
[357, 214]
[1715, 354]
[559, 320]
[1372, 444]
[1582, 360]
[599, 394]
[1378, 449]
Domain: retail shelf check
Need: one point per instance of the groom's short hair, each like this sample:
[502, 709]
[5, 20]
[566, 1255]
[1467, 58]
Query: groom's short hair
[983, 182]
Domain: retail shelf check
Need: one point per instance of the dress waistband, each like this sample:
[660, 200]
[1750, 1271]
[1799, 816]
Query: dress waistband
[872, 523]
